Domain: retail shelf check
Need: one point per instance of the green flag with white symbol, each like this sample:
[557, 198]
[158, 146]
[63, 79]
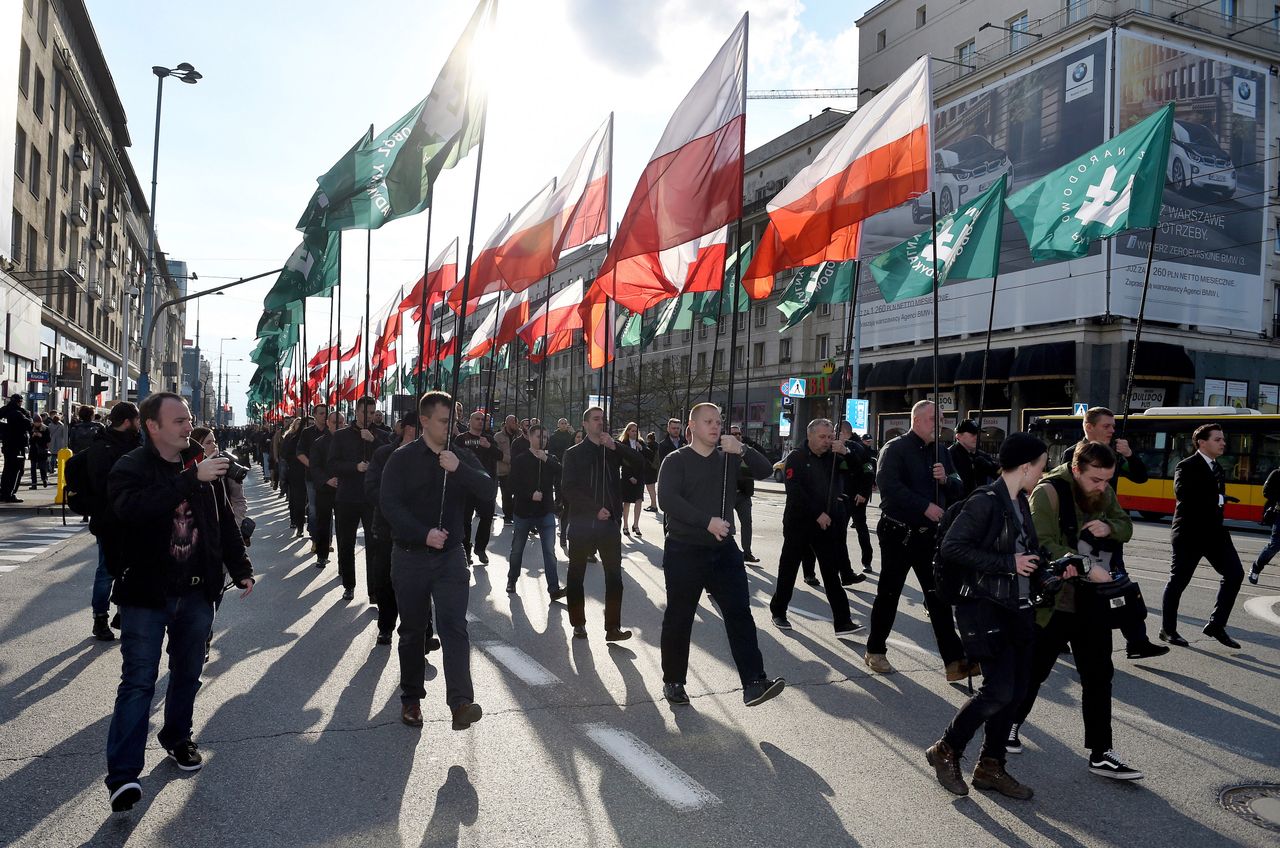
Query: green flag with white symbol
[1116, 186]
[341, 181]
[968, 249]
[311, 271]
[828, 282]
[629, 334]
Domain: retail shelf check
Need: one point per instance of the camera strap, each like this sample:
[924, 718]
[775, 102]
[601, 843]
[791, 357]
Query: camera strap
[1066, 512]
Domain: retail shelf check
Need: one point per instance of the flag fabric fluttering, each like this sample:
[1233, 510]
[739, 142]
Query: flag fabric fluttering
[341, 179]
[312, 270]
[442, 276]
[556, 320]
[828, 282]
[880, 158]
[968, 249]
[1118, 185]
[485, 279]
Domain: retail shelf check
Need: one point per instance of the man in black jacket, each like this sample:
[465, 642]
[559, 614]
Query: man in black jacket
[182, 534]
[325, 482]
[917, 483]
[1271, 495]
[561, 439]
[744, 490]
[424, 487]
[302, 454]
[1200, 487]
[672, 442]
[534, 482]
[479, 441]
[860, 477]
[591, 486]
[814, 517]
[350, 450]
[975, 466]
[123, 436]
[15, 436]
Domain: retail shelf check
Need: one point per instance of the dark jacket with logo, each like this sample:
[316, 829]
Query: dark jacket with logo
[811, 491]
[347, 450]
[146, 492]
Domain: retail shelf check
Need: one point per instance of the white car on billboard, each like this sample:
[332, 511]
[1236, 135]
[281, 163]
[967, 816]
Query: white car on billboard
[1197, 161]
[964, 169]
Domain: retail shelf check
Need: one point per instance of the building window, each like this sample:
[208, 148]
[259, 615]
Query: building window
[1228, 11]
[66, 170]
[920, 17]
[42, 22]
[686, 336]
[33, 184]
[824, 310]
[762, 317]
[702, 361]
[784, 350]
[1076, 9]
[964, 55]
[68, 109]
[31, 248]
[37, 102]
[684, 364]
[718, 359]
[702, 330]
[15, 237]
[757, 354]
[739, 358]
[880, 41]
[20, 153]
[24, 68]
[821, 347]
[740, 320]
[1018, 38]
[62, 234]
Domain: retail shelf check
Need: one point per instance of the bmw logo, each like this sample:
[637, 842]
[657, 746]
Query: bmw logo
[1079, 72]
[1244, 91]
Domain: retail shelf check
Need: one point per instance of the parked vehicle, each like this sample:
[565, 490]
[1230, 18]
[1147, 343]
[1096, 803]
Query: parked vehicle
[964, 169]
[1197, 161]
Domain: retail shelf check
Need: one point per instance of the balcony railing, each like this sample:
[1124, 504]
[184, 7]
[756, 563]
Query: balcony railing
[78, 269]
[94, 289]
[79, 213]
[81, 158]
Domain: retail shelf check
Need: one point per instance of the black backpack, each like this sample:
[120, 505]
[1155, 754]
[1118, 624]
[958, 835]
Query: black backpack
[77, 492]
[949, 577]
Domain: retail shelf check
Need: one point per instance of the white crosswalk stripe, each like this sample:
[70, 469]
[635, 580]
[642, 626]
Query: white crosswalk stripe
[34, 541]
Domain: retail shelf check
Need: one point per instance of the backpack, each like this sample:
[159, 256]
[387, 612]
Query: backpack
[76, 488]
[949, 577]
[81, 435]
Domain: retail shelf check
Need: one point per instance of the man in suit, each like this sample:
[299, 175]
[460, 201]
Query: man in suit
[1200, 488]
[674, 440]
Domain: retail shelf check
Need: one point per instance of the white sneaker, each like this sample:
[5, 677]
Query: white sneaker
[1110, 765]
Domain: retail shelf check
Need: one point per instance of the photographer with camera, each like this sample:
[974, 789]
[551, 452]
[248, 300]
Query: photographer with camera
[182, 534]
[991, 547]
[1075, 511]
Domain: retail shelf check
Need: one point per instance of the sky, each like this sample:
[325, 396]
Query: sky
[290, 85]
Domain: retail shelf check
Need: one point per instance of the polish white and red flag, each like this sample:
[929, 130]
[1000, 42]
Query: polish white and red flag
[481, 340]
[441, 277]
[555, 321]
[692, 186]
[879, 159]
[485, 279]
[353, 353]
[572, 214]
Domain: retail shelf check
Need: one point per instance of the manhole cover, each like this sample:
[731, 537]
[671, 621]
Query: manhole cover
[1257, 802]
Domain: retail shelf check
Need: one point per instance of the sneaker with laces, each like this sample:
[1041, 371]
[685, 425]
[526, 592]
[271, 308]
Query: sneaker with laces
[124, 796]
[755, 694]
[674, 693]
[1013, 745]
[879, 663]
[1109, 764]
[186, 756]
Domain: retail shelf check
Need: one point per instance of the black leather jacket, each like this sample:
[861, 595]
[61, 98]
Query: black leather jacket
[983, 541]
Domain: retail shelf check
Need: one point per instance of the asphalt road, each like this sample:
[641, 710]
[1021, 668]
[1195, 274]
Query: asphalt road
[299, 721]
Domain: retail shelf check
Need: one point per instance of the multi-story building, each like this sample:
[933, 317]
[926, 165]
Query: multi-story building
[79, 219]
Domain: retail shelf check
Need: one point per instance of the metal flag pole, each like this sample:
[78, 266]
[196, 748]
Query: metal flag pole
[846, 376]
[368, 280]
[737, 281]
[420, 377]
[937, 407]
[986, 353]
[688, 371]
[1137, 335]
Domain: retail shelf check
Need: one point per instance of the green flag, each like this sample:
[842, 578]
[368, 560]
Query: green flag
[312, 271]
[340, 179]
[710, 305]
[1116, 186]
[676, 313]
[826, 282]
[968, 249]
[391, 177]
[629, 333]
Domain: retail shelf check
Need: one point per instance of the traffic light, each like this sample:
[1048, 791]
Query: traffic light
[101, 382]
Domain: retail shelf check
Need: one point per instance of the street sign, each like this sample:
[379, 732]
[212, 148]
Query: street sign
[792, 387]
[38, 396]
[784, 426]
[787, 402]
[1079, 409]
[72, 375]
[37, 376]
[858, 414]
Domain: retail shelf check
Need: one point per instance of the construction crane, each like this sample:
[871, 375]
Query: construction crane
[802, 93]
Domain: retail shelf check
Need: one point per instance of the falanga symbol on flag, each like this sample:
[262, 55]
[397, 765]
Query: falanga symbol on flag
[968, 249]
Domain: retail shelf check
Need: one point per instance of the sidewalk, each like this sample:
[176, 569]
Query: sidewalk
[41, 498]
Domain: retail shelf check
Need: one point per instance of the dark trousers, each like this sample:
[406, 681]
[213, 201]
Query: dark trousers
[504, 493]
[1090, 640]
[349, 517]
[1218, 548]
[378, 552]
[326, 498]
[39, 464]
[688, 570]
[825, 545]
[858, 518]
[1272, 548]
[482, 509]
[742, 508]
[1006, 673]
[586, 538]
[187, 620]
[11, 477]
[427, 580]
[296, 493]
[904, 549]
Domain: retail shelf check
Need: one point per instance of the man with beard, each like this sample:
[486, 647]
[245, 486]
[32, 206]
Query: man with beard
[1079, 615]
[122, 437]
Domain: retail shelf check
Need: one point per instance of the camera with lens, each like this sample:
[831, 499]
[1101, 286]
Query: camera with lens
[235, 471]
[1051, 576]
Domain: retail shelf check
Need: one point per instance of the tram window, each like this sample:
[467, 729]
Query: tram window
[1267, 457]
[1236, 461]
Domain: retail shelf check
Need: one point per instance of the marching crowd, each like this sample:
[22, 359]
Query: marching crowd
[1018, 562]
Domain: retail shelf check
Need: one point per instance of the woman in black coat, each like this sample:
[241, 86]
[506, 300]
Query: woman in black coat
[38, 451]
[651, 463]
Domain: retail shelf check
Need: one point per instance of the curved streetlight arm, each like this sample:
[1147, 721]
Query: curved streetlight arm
[177, 300]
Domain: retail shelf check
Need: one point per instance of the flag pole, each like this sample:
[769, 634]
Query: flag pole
[986, 353]
[846, 377]
[1137, 335]
[733, 317]
[937, 406]
[368, 280]
[420, 377]
[337, 397]
[725, 506]
[639, 374]
[711, 384]
[688, 387]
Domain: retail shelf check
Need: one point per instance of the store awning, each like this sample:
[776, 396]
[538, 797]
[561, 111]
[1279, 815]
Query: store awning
[889, 376]
[998, 364]
[921, 376]
[1051, 361]
[836, 382]
[1163, 362]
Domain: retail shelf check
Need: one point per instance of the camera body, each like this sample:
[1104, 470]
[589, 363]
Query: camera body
[1051, 575]
[235, 471]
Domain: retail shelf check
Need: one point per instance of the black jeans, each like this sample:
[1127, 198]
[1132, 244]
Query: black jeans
[425, 580]
[688, 570]
[11, 477]
[858, 518]
[326, 497]
[1090, 639]
[742, 508]
[349, 518]
[904, 549]
[1221, 553]
[1006, 673]
[39, 464]
[296, 493]
[482, 508]
[504, 493]
[825, 545]
[587, 537]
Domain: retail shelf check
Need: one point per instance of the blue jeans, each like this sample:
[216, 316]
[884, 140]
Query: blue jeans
[187, 619]
[101, 602]
[1272, 548]
[546, 526]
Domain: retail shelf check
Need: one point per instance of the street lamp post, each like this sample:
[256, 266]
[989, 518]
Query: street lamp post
[186, 73]
[217, 414]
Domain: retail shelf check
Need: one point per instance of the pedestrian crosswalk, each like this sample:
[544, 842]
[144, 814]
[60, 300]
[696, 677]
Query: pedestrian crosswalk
[34, 539]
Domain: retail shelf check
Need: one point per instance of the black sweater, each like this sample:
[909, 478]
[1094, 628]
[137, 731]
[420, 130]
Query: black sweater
[591, 480]
[693, 489]
[529, 474]
[412, 485]
[346, 451]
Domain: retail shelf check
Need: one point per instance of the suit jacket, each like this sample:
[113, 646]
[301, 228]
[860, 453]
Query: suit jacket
[1197, 514]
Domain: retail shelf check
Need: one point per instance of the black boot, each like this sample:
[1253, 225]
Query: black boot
[101, 631]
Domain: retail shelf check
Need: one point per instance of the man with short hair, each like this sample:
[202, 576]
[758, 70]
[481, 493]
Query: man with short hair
[424, 488]
[672, 442]
[57, 439]
[350, 450]
[744, 490]
[482, 443]
[917, 483]
[1200, 488]
[15, 437]
[182, 535]
[302, 452]
[591, 485]
[503, 439]
[696, 487]
[325, 483]
[535, 481]
[561, 439]
[975, 466]
[84, 431]
[123, 436]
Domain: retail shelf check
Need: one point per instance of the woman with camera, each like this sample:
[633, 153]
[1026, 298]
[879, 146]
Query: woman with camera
[990, 548]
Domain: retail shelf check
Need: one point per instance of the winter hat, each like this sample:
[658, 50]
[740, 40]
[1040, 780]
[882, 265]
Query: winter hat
[1020, 448]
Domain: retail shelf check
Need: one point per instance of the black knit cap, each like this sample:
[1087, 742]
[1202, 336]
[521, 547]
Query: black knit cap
[1020, 448]
[968, 425]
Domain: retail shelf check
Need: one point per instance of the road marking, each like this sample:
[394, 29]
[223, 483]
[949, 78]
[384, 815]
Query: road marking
[812, 616]
[13, 558]
[519, 663]
[4, 569]
[4, 546]
[1264, 608]
[654, 771]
